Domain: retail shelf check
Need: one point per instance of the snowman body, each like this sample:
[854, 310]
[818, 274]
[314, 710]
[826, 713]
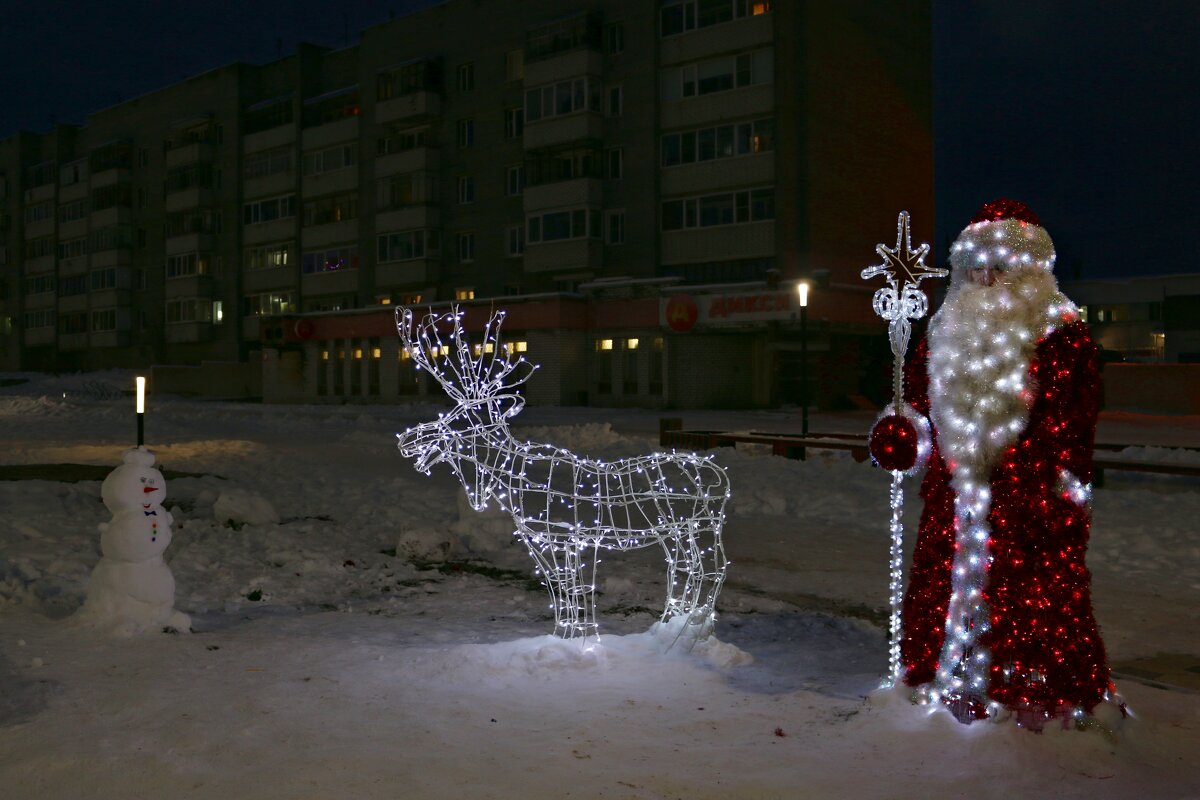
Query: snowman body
[132, 589]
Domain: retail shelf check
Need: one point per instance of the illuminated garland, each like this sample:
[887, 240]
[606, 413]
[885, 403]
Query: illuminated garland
[566, 509]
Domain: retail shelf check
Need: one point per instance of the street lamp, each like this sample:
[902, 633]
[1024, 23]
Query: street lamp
[802, 290]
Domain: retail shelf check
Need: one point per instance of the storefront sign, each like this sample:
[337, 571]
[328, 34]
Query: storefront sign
[682, 312]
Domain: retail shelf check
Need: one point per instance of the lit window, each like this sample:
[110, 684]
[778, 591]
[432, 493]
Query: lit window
[464, 294]
[358, 352]
[324, 355]
[376, 352]
[604, 344]
[631, 344]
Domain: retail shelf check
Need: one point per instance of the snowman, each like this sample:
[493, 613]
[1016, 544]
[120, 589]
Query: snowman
[132, 590]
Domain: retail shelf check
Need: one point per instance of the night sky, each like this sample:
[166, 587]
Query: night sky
[1089, 112]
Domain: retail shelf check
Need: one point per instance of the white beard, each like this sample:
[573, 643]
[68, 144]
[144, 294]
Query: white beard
[981, 343]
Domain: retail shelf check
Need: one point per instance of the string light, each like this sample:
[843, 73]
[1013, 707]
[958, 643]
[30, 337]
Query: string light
[566, 509]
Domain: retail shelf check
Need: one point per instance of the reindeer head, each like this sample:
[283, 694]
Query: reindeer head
[479, 380]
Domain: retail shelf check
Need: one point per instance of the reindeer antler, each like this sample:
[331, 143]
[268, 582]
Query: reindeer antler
[465, 377]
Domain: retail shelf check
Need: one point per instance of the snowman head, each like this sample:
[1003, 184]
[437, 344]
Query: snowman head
[135, 485]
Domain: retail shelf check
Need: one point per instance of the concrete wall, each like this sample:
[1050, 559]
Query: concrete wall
[1152, 388]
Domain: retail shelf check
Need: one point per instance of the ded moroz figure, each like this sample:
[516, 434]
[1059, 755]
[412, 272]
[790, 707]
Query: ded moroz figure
[998, 614]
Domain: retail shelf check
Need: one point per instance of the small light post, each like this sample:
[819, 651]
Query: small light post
[141, 410]
[802, 290]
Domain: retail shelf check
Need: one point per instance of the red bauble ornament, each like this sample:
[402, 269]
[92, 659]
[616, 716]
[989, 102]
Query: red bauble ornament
[893, 443]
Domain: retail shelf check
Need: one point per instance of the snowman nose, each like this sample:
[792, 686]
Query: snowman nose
[149, 489]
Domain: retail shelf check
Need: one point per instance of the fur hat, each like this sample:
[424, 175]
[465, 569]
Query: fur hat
[1006, 234]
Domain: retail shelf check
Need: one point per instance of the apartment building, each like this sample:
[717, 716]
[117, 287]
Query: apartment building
[614, 168]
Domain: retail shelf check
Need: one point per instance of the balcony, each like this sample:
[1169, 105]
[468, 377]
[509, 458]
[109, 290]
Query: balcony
[76, 265]
[108, 217]
[570, 64]
[107, 298]
[72, 302]
[330, 133]
[190, 243]
[738, 34]
[279, 183]
[406, 219]
[264, 280]
[419, 271]
[111, 256]
[43, 227]
[73, 191]
[721, 173]
[195, 197]
[329, 233]
[190, 286]
[570, 255]
[73, 229]
[272, 137]
[415, 106]
[190, 154]
[274, 231]
[39, 265]
[560, 130]
[338, 282]
[418, 159]
[183, 332]
[72, 341]
[107, 177]
[39, 336]
[39, 193]
[110, 339]
[751, 240]
[577, 192]
[758, 100]
[338, 180]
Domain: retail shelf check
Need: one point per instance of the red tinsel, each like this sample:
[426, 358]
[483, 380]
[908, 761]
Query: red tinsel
[1046, 653]
[1005, 208]
[893, 443]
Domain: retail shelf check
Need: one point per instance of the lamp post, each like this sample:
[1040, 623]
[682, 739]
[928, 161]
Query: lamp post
[141, 410]
[802, 290]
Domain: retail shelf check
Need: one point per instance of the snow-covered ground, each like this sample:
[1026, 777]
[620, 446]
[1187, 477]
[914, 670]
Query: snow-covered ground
[361, 633]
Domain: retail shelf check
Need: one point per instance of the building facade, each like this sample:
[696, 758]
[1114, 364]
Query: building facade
[492, 153]
[1150, 319]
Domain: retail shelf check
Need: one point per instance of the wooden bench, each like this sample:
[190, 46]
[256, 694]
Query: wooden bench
[794, 445]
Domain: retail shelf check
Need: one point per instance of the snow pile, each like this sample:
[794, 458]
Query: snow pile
[240, 507]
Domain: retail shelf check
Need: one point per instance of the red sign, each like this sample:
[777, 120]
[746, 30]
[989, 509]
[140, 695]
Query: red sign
[681, 313]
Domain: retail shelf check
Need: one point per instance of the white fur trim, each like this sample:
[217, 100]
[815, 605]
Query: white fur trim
[1010, 243]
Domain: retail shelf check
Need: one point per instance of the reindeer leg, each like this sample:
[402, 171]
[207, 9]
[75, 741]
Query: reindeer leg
[680, 566]
[545, 556]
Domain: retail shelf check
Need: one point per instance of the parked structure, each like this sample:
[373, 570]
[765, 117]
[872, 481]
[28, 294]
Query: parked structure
[594, 173]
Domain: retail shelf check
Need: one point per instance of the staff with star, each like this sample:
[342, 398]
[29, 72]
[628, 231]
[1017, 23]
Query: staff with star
[900, 302]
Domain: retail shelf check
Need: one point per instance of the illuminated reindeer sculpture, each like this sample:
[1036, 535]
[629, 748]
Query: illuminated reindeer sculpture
[566, 508]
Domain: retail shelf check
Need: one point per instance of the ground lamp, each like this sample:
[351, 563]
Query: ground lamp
[141, 409]
[802, 290]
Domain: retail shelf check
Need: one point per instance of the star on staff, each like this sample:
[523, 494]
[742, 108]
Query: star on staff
[903, 262]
